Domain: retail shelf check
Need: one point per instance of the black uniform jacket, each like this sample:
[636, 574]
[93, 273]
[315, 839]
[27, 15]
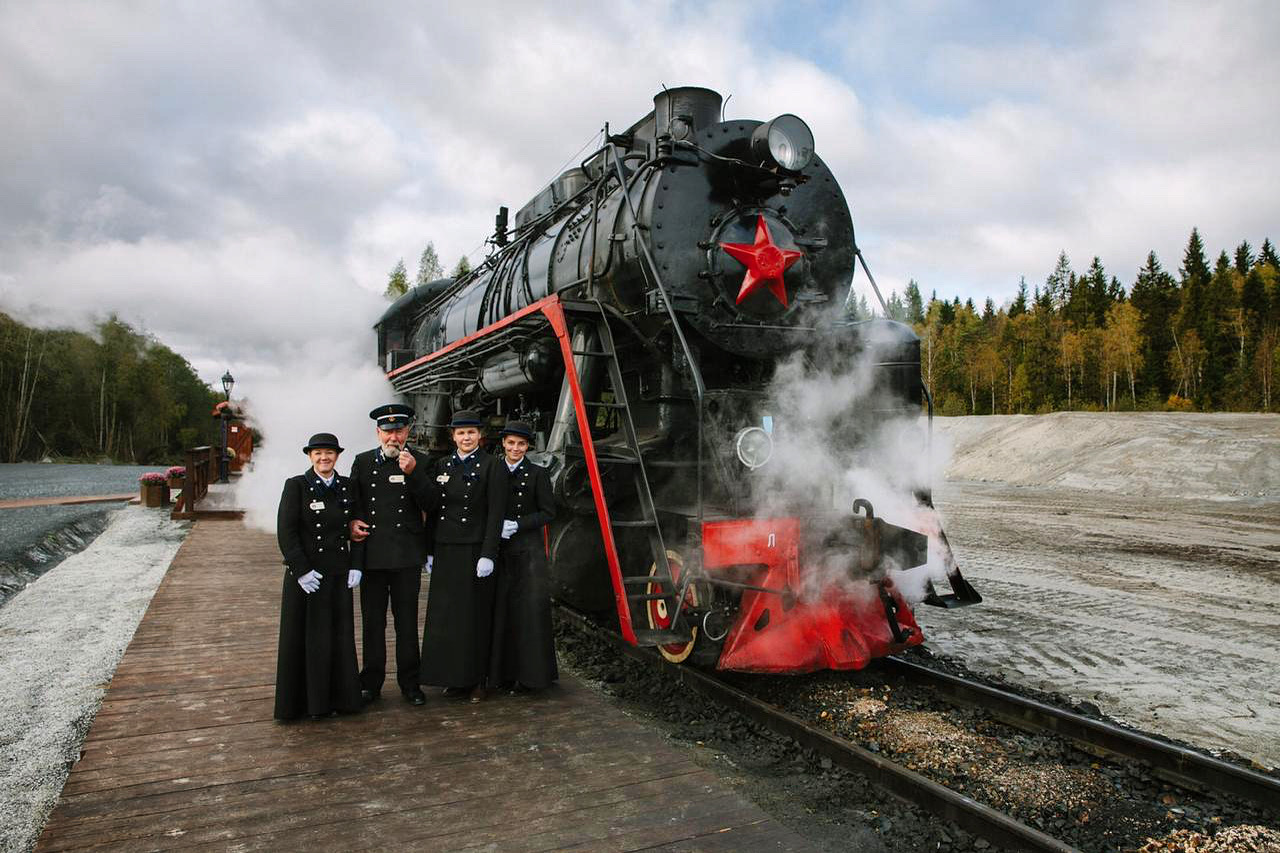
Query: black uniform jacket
[311, 524]
[472, 497]
[529, 502]
[393, 504]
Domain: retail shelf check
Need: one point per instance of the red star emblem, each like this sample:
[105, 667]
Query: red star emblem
[764, 261]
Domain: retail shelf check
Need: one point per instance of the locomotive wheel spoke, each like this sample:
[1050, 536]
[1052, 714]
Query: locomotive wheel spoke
[658, 610]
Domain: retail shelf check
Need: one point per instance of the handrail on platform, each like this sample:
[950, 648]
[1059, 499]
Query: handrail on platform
[202, 469]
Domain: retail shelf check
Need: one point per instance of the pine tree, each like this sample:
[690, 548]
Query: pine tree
[429, 268]
[1019, 305]
[1194, 314]
[1216, 333]
[1268, 254]
[1057, 286]
[1244, 258]
[397, 282]
[915, 305]
[1115, 292]
[1253, 316]
[1155, 295]
[1099, 301]
[463, 267]
[895, 308]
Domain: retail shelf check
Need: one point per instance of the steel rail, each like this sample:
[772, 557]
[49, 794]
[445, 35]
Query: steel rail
[972, 816]
[1179, 765]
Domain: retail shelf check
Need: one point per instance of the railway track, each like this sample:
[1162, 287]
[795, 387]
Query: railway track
[1178, 765]
[1168, 762]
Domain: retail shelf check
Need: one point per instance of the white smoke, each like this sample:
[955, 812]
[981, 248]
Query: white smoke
[328, 390]
[837, 438]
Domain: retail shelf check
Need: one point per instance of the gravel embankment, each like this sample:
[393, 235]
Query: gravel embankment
[62, 638]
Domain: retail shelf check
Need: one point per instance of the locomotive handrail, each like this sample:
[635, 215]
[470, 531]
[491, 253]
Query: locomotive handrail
[694, 371]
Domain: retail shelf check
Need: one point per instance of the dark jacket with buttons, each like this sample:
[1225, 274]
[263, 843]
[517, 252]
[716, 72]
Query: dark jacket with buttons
[472, 495]
[529, 503]
[392, 503]
[311, 524]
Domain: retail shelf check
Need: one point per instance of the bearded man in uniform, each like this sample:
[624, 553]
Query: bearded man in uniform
[393, 491]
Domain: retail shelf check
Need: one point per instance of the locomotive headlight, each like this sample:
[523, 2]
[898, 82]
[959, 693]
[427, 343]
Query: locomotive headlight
[786, 141]
[754, 446]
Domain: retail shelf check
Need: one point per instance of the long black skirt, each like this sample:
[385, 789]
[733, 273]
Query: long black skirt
[316, 670]
[523, 645]
[456, 638]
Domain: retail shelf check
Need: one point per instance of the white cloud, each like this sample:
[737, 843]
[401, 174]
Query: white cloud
[168, 162]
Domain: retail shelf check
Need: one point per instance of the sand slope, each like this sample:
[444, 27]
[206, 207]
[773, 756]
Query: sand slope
[1129, 560]
[1215, 456]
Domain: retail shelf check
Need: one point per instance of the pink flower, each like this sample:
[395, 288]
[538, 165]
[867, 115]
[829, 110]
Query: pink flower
[153, 477]
[176, 471]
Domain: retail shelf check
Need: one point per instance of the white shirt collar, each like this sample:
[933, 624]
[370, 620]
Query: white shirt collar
[511, 467]
[462, 458]
[328, 482]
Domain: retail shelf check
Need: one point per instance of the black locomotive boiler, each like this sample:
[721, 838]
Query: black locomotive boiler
[635, 312]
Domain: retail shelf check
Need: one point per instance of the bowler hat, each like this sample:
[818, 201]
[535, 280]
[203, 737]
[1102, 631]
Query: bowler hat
[519, 428]
[464, 418]
[322, 441]
[392, 415]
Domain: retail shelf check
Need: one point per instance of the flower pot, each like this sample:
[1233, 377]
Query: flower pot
[176, 482]
[155, 494]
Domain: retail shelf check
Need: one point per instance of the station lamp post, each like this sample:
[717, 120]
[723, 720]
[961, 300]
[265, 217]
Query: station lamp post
[224, 469]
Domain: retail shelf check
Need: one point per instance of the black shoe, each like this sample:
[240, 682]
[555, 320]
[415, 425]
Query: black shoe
[367, 696]
[456, 692]
[414, 696]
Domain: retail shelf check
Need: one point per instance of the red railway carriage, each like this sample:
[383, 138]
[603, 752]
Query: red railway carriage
[637, 314]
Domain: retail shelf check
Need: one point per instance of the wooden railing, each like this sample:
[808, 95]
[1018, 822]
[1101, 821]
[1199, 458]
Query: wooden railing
[202, 469]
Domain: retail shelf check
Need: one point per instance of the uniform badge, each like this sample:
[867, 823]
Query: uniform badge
[396, 478]
[317, 505]
[443, 478]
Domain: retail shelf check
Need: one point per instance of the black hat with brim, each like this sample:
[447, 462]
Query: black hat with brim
[519, 428]
[392, 415]
[323, 441]
[464, 418]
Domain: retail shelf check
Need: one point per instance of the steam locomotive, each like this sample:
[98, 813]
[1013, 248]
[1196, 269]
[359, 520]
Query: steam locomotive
[636, 313]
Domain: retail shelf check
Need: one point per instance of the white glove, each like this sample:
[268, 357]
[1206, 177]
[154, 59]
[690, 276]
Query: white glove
[509, 528]
[430, 560]
[484, 567]
[310, 582]
[353, 578]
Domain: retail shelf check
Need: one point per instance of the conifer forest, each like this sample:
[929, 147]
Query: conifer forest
[1201, 338]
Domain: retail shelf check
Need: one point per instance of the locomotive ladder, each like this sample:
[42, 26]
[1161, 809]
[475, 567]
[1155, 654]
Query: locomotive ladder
[673, 592]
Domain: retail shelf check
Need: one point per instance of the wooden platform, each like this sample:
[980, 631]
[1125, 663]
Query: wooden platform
[184, 753]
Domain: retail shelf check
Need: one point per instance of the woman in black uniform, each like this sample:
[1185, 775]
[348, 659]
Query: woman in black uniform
[524, 654]
[457, 636]
[316, 665]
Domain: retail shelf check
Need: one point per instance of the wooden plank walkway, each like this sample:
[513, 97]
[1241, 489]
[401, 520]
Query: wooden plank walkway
[184, 753]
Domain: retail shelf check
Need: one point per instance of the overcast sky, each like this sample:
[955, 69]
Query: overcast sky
[239, 178]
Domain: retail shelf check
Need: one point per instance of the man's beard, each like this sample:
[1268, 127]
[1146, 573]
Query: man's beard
[391, 451]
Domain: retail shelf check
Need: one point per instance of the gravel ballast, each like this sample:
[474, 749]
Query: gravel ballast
[60, 641]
